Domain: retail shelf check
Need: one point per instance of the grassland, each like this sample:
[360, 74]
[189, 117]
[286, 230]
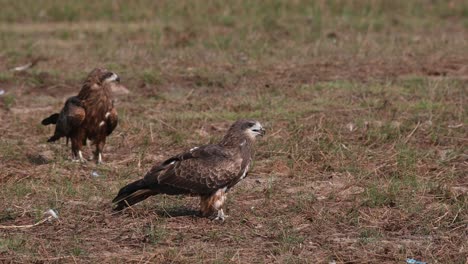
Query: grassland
[365, 104]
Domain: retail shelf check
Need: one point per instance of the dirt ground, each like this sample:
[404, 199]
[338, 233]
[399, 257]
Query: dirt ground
[364, 102]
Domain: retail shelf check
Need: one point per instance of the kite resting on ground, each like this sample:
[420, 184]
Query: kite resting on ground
[207, 171]
[89, 115]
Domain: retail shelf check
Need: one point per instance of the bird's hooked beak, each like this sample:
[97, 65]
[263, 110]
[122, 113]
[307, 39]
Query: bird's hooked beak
[258, 130]
[262, 132]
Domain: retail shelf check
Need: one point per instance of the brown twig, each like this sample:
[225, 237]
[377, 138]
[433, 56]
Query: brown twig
[27, 226]
[412, 132]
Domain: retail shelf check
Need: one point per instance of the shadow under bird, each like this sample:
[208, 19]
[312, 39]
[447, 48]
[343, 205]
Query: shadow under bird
[208, 171]
[89, 115]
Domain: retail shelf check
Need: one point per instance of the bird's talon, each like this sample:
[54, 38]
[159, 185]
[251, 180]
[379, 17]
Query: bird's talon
[219, 218]
[79, 160]
[222, 218]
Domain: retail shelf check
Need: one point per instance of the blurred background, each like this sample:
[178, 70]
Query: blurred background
[142, 37]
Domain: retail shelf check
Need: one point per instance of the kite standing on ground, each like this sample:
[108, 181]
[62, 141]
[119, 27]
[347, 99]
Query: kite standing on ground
[208, 171]
[89, 115]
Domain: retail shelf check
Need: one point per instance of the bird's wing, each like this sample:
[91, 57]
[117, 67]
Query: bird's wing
[68, 120]
[72, 115]
[111, 120]
[202, 170]
[52, 119]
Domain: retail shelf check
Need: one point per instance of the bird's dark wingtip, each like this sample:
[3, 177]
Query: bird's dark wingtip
[52, 119]
[53, 138]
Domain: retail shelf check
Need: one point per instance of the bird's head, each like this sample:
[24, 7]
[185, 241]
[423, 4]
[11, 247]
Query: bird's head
[252, 129]
[102, 76]
[244, 129]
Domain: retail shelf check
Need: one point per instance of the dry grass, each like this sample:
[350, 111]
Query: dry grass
[365, 104]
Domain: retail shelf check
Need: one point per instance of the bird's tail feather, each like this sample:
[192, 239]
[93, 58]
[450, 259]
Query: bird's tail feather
[52, 119]
[131, 194]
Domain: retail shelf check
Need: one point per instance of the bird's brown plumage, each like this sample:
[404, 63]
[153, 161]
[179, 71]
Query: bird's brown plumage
[208, 171]
[89, 115]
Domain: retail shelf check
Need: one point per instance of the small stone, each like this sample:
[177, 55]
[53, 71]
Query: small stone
[52, 213]
[427, 124]
[351, 127]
